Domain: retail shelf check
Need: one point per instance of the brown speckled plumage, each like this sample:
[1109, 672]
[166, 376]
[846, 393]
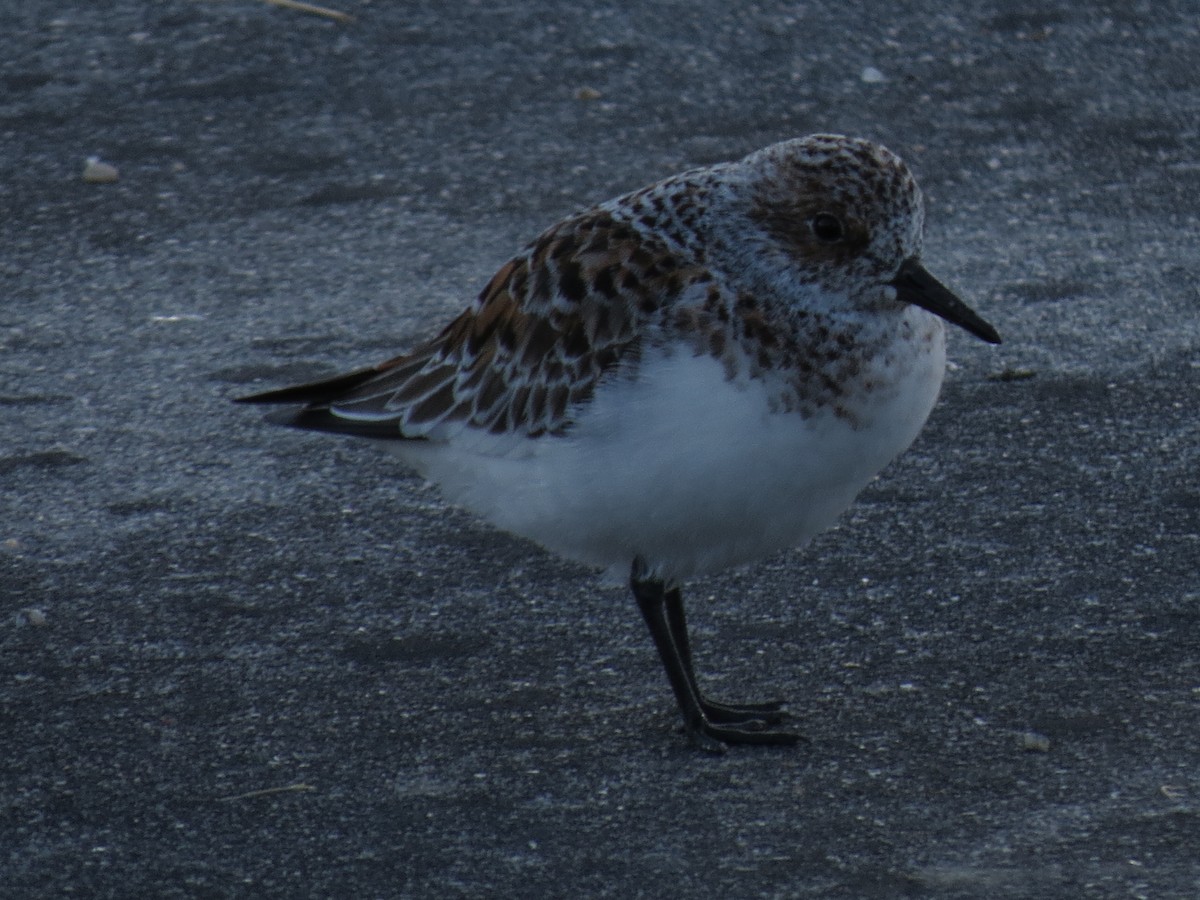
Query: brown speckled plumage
[657, 265]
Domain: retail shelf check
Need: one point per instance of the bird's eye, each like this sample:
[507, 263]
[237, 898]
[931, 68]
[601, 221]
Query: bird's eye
[827, 227]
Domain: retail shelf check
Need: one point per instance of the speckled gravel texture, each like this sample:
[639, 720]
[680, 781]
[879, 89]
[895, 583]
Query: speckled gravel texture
[240, 661]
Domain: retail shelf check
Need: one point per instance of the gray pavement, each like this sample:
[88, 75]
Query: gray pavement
[241, 661]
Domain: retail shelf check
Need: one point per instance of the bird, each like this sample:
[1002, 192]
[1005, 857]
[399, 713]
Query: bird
[683, 379]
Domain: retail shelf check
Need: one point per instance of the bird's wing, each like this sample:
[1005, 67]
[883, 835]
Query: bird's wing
[548, 325]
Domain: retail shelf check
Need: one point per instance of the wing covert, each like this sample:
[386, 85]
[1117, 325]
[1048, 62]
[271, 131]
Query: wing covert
[546, 328]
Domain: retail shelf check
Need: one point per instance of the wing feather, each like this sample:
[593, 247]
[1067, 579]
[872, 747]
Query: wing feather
[548, 326]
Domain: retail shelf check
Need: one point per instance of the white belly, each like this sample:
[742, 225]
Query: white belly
[687, 469]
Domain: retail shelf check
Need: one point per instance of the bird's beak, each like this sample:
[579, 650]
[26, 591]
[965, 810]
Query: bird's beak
[915, 285]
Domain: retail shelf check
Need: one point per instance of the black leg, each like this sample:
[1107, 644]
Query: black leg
[710, 725]
[769, 713]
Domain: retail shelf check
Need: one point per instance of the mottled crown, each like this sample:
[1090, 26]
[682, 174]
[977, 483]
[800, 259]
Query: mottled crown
[846, 211]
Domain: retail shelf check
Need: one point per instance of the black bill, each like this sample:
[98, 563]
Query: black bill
[915, 285]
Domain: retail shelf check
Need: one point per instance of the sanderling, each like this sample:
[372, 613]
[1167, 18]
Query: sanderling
[685, 378]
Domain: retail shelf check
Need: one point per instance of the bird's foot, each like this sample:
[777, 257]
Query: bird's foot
[769, 713]
[716, 738]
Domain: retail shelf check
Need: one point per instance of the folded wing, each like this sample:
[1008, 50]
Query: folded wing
[548, 326]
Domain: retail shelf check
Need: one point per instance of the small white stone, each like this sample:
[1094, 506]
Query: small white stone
[96, 171]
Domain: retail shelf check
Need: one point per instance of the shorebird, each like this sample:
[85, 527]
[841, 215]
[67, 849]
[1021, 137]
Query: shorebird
[685, 378]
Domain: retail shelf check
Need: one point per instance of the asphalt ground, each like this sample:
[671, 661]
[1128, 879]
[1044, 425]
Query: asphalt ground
[238, 661]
